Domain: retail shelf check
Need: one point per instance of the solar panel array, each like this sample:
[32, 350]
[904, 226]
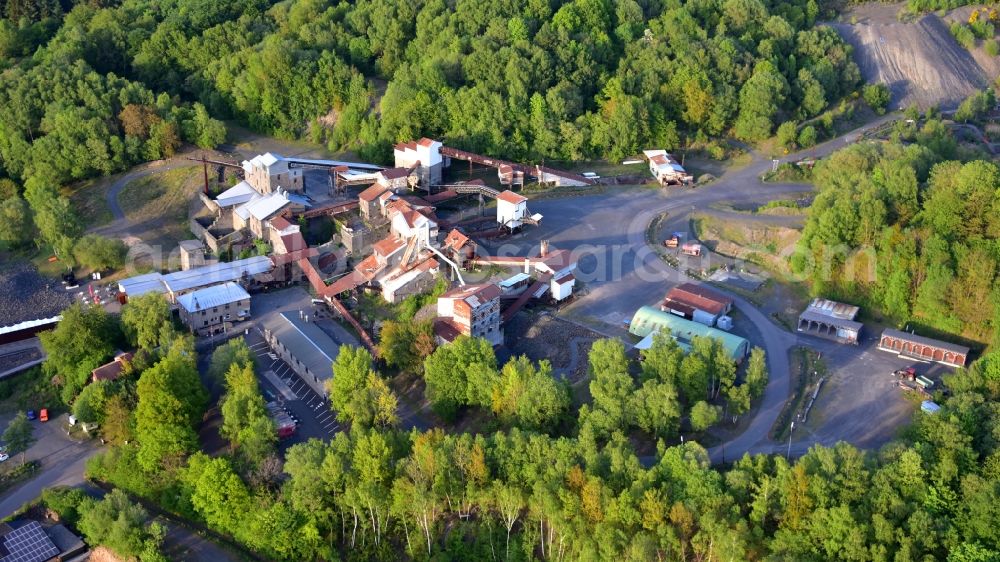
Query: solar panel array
[29, 544]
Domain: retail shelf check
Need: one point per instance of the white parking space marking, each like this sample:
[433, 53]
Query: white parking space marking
[288, 393]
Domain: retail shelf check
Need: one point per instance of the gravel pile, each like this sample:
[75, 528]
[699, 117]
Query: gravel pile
[15, 358]
[26, 295]
[920, 61]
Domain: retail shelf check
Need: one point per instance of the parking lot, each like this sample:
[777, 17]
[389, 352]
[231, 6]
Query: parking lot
[279, 384]
[860, 402]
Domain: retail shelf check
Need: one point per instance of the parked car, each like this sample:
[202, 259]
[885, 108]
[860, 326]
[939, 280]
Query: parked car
[31, 415]
[43, 415]
[4, 456]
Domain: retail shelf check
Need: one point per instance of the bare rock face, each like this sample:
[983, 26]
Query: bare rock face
[919, 61]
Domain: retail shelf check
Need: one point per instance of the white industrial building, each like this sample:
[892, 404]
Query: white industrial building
[214, 308]
[178, 283]
[511, 209]
[424, 155]
[267, 172]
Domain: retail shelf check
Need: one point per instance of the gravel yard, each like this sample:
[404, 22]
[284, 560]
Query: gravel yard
[27, 295]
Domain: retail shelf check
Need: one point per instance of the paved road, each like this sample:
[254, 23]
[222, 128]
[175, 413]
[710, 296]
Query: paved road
[63, 461]
[119, 227]
[607, 233]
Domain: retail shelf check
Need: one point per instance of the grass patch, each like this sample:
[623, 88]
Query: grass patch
[159, 203]
[155, 194]
[18, 474]
[806, 369]
[30, 390]
[89, 198]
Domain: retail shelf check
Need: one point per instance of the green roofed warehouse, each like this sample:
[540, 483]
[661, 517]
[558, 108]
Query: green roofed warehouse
[648, 321]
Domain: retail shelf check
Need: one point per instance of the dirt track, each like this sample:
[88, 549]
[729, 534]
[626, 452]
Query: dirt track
[920, 61]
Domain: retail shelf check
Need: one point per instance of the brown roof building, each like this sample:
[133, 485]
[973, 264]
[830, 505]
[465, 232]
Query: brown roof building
[697, 303]
[114, 369]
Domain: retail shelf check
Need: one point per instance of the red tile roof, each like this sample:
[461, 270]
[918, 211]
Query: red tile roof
[294, 242]
[455, 239]
[405, 146]
[395, 173]
[700, 298]
[280, 223]
[485, 292]
[511, 197]
[113, 370]
[372, 192]
[387, 246]
[557, 259]
[446, 329]
[368, 268]
[294, 256]
[425, 142]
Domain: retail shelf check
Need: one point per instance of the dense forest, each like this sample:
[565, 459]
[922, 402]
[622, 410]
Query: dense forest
[909, 228]
[526, 491]
[525, 79]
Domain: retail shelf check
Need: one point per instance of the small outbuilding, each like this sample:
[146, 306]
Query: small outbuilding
[832, 320]
[696, 302]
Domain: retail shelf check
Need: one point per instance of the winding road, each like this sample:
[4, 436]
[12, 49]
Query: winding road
[607, 234]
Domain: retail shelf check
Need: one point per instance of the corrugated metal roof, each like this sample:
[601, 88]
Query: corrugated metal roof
[215, 273]
[210, 297]
[29, 324]
[648, 320]
[833, 309]
[236, 195]
[305, 342]
[142, 284]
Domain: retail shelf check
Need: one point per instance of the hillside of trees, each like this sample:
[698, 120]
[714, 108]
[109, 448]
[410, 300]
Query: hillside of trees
[377, 493]
[909, 228]
[522, 79]
[568, 487]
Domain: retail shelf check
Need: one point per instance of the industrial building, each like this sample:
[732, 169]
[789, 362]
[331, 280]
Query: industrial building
[254, 213]
[214, 308]
[511, 209]
[178, 283]
[696, 302]
[304, 346]
[424, 156]
[192, 253]
[473, 310]
[648, 321]
[268, 172]
[912, 346]
[831, 320]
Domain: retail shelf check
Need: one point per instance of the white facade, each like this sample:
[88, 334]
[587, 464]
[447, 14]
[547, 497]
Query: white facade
[406, 224]
[267, 172]
[425, 154]
[511, 209]
[562, 287]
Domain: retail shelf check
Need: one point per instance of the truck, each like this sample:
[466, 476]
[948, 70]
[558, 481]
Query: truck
[908, 373]
[674, 240]
[284, 424]
[924, 382]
